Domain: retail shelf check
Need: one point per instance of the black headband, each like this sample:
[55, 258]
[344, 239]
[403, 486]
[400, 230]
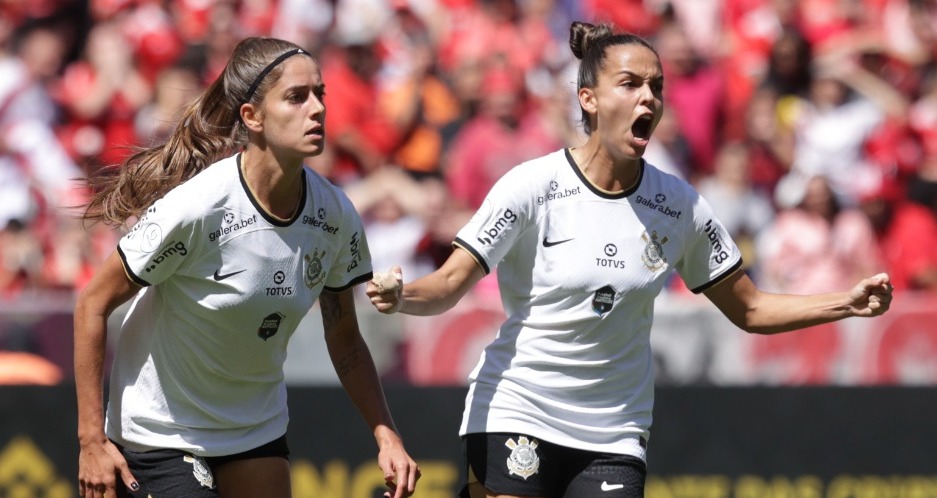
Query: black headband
[275, 63]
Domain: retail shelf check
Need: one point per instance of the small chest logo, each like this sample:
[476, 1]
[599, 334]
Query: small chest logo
[604, 300]
[270, 326]
[523, 460]
[313, 274]
[653, 255]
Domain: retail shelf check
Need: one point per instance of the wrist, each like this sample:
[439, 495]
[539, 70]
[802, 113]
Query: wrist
[386, 435]
[94, 435]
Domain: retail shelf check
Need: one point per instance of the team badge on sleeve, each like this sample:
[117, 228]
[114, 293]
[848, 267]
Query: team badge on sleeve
[152, 238]
[523, 460]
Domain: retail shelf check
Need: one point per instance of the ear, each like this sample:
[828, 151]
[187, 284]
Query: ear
[252, 118]
[587, 100]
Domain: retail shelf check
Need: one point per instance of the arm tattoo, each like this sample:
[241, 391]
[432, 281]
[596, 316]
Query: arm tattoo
[332, 314]
[349, 362]
[331, 306]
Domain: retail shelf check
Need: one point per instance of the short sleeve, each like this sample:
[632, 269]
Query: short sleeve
[711, 254]
[498, 223]
[158, 244]
[352, 265]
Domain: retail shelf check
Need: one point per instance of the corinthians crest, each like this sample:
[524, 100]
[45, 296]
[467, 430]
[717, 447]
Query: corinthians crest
[201, 471]
[313, 274]
[523, 460]
[653, 254]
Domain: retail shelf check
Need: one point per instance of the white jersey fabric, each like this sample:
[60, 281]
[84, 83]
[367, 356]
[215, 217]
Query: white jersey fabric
[199, 362]
[579, 269]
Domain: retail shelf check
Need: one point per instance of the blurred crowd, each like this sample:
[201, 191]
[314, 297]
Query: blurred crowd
[810, 126]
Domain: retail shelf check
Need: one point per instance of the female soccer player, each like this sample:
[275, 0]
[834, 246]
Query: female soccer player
[234, 241]
[585, 238]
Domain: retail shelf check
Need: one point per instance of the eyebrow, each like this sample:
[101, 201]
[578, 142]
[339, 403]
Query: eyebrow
[636, 75]
[320, 86]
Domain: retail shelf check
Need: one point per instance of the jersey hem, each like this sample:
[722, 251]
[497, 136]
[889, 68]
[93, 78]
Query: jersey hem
[355, 281]
[633, 444]
[130, 274]
[458, 242]
[720, 278]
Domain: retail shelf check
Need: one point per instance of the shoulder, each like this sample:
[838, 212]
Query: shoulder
[537, 170]
[672, 186]
[524, 182]
[215, 177]
[208, 188]
[327, 194]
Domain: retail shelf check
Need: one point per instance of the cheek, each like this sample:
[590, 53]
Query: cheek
[614, 115]
[284, 121]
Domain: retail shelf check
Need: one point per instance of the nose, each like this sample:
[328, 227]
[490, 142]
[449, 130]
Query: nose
[317, 105]
[647, 94]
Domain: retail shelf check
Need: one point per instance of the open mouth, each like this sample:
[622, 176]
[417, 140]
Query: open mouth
[641, 128]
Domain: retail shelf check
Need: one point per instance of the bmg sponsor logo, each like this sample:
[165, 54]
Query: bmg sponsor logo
[355, 253]
[720, 255]
[167, 251]
[492, 231]
[658, 205]
[556, 194]
[232, 226]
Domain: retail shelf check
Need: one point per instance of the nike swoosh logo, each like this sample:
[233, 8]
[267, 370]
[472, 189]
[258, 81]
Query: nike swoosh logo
[548, 243]
[611, 487]
[219, 277]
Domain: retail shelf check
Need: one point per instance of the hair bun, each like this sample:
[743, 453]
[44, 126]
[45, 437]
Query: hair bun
[583, 36]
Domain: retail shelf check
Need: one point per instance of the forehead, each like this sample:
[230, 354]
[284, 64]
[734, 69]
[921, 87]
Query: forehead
[632, 58]
[299, 70]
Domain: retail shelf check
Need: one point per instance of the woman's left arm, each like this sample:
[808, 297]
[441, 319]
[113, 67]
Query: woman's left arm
[759, 312]
[355, 368]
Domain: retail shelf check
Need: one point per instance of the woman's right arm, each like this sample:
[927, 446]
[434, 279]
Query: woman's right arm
[99, 461]
[434, 293]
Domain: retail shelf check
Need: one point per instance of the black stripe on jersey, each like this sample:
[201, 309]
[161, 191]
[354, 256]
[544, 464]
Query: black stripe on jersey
[263, 212]
[355, 281]
[471, 250]
[719, 278]
[602, 193]
[133, 276]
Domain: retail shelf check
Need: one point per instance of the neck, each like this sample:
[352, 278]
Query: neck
[275, 185]
[604, 171]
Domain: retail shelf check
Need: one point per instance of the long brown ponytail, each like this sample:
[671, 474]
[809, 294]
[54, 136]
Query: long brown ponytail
[210, 128]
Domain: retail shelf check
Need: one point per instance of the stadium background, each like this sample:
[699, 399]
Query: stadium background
[429, 101]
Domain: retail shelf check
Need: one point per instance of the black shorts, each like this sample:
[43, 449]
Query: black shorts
[179, 474]
[517, 464]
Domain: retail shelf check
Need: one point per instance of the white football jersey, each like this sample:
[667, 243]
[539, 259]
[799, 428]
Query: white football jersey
[579, 269]
[199, 362]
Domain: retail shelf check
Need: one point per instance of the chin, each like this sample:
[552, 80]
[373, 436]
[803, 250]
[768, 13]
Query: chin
[311, 151]
[633, 152]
